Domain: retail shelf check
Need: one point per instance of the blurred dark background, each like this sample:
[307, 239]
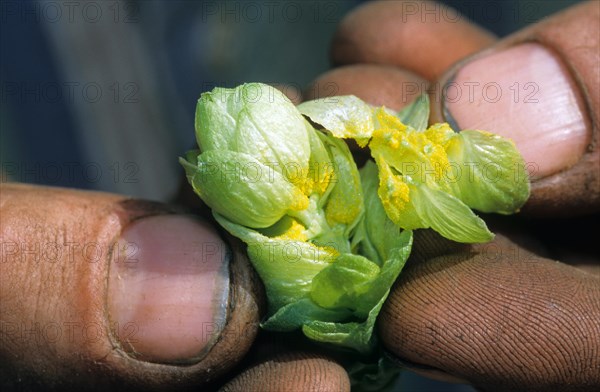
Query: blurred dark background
[101, 94]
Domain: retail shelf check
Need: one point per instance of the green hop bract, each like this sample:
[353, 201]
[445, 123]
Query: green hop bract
[327, 239]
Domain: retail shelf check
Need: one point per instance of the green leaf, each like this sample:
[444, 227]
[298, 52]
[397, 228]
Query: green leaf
[261, 196]
[412, 154]
[489, 174]
[345, 202]
[377, 375]
[448, 215]
[397, 198]
[286, 267]
[376, 234]
[258, 120]
[414, 205]
[190, 163]
[397, 255]
[341, 284]
[373, 292]
[321, 166]
[355, 283]
[273, 131]
[344, 116]
[294, 315]
[215, 126]
[356, 335]
[416, 114]
[328, 240]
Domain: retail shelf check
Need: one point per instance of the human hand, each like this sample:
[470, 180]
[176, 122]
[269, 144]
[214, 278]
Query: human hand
[101, 291]
[74, 294]
[501, 315]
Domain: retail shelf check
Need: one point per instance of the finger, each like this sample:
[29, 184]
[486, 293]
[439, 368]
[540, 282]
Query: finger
[541, 88]
[297, 371]
[576, 246]
[376, 84]
[499, 317]
[100, 290]
[423, 37]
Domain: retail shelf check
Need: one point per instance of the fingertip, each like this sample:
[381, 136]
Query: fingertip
[414, 35]
[166, 312]
[169, 282]
[378, 85]
[530, 83]
[486, 314]
[193, 297]
[296, 371]
[540, 88]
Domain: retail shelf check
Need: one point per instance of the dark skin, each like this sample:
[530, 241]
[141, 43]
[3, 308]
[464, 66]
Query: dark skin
[500, 316]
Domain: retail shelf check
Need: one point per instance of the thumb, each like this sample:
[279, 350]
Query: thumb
[100, 290]
[541, 88]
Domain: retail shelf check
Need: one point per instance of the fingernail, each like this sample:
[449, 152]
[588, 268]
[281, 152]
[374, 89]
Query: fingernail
[527, 94]
[168, 289]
